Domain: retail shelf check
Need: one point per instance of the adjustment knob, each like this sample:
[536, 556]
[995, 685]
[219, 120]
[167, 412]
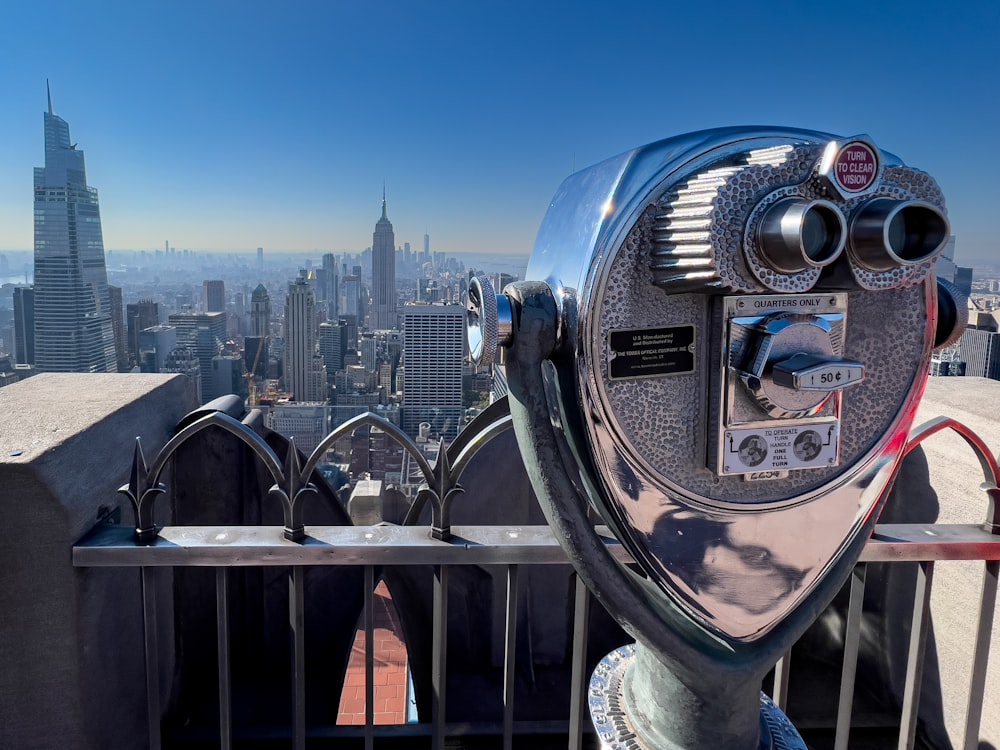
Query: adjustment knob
[488, 321]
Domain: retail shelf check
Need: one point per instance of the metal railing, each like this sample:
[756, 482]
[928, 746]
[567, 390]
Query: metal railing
[149, 548]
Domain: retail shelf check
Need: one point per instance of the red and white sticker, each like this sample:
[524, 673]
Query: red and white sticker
[856, 167]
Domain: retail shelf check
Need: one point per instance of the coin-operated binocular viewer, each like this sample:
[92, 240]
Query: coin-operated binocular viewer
[719, 351]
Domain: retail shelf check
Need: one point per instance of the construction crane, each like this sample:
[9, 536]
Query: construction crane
[251, 374]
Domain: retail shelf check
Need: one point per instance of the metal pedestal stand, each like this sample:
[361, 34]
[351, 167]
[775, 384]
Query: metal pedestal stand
[617, 725]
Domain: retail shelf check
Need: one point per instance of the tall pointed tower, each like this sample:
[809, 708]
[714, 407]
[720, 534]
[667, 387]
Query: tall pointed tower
[384, 313]
[73, 329]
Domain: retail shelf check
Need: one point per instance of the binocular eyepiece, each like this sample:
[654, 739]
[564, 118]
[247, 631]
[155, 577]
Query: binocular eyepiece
[884, 234]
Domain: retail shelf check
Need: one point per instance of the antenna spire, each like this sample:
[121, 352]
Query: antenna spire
[49, 92]
[383, 200]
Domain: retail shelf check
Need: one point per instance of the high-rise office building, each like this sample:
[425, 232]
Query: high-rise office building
[73, 329]
[214, 296]
[300, 342]
[260, 261]
[332, 290]
[384, 314]
[433, 352]
[155, 345]
[138, 317]
[333, 345]
[203, 333]
[24, 325]
[118, 328]
[184, 361]
[260, 312]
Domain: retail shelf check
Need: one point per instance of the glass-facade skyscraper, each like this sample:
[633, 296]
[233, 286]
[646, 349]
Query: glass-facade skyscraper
[73, 329]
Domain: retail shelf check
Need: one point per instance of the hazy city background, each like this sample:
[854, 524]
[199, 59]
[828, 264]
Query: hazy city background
[291, 201]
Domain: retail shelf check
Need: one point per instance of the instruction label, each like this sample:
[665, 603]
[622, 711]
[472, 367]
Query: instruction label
[756, 450]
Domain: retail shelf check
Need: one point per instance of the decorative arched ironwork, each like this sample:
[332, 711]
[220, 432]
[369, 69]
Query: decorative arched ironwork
[292, 485]
[991, 469]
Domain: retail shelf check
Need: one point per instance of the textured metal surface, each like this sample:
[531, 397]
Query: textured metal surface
[661, 231]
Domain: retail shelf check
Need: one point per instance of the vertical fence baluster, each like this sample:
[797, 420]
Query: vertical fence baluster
[296, 620]
[369, 657]
[509, 657]
[915, 657]
[439, 656]
[852, 642]
[152, 656]
[977, 683]
[222, 625]
[779, 693]
[578, 679]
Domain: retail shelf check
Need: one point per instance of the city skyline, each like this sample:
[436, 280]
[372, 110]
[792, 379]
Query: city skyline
[223, 130]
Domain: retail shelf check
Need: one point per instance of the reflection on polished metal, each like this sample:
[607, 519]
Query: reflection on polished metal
[888, 233]
[694, 327]
[615, 720]
[488, 322]
[797, 234]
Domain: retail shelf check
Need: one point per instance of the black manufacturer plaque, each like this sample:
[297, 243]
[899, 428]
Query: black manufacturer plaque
[649, 352]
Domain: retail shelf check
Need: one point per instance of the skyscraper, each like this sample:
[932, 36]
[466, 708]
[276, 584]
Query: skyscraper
[300, 343]
[214, 295]
[260, 312]
[118, 327]
[138, 317]
[433, 352]
[332, 291]
[203, 334]
[384, 315]
[73, 330]
[24, 325]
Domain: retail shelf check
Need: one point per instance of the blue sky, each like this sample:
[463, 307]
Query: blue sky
[231, 125]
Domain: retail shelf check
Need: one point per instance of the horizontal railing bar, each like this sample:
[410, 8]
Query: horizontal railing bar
[556, 727]
[183, 546]
[897, 542]
[325, 545]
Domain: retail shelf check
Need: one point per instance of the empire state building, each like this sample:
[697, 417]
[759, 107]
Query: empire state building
[384, 313]
[73, 331]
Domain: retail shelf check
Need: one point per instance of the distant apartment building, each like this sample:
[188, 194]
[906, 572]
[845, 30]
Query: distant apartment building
[979, 348]
[307, 423]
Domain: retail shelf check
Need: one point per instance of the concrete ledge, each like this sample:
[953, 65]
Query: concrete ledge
[65, 447]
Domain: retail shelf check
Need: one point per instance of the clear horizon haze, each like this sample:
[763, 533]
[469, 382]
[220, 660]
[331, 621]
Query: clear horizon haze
[225, 126]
